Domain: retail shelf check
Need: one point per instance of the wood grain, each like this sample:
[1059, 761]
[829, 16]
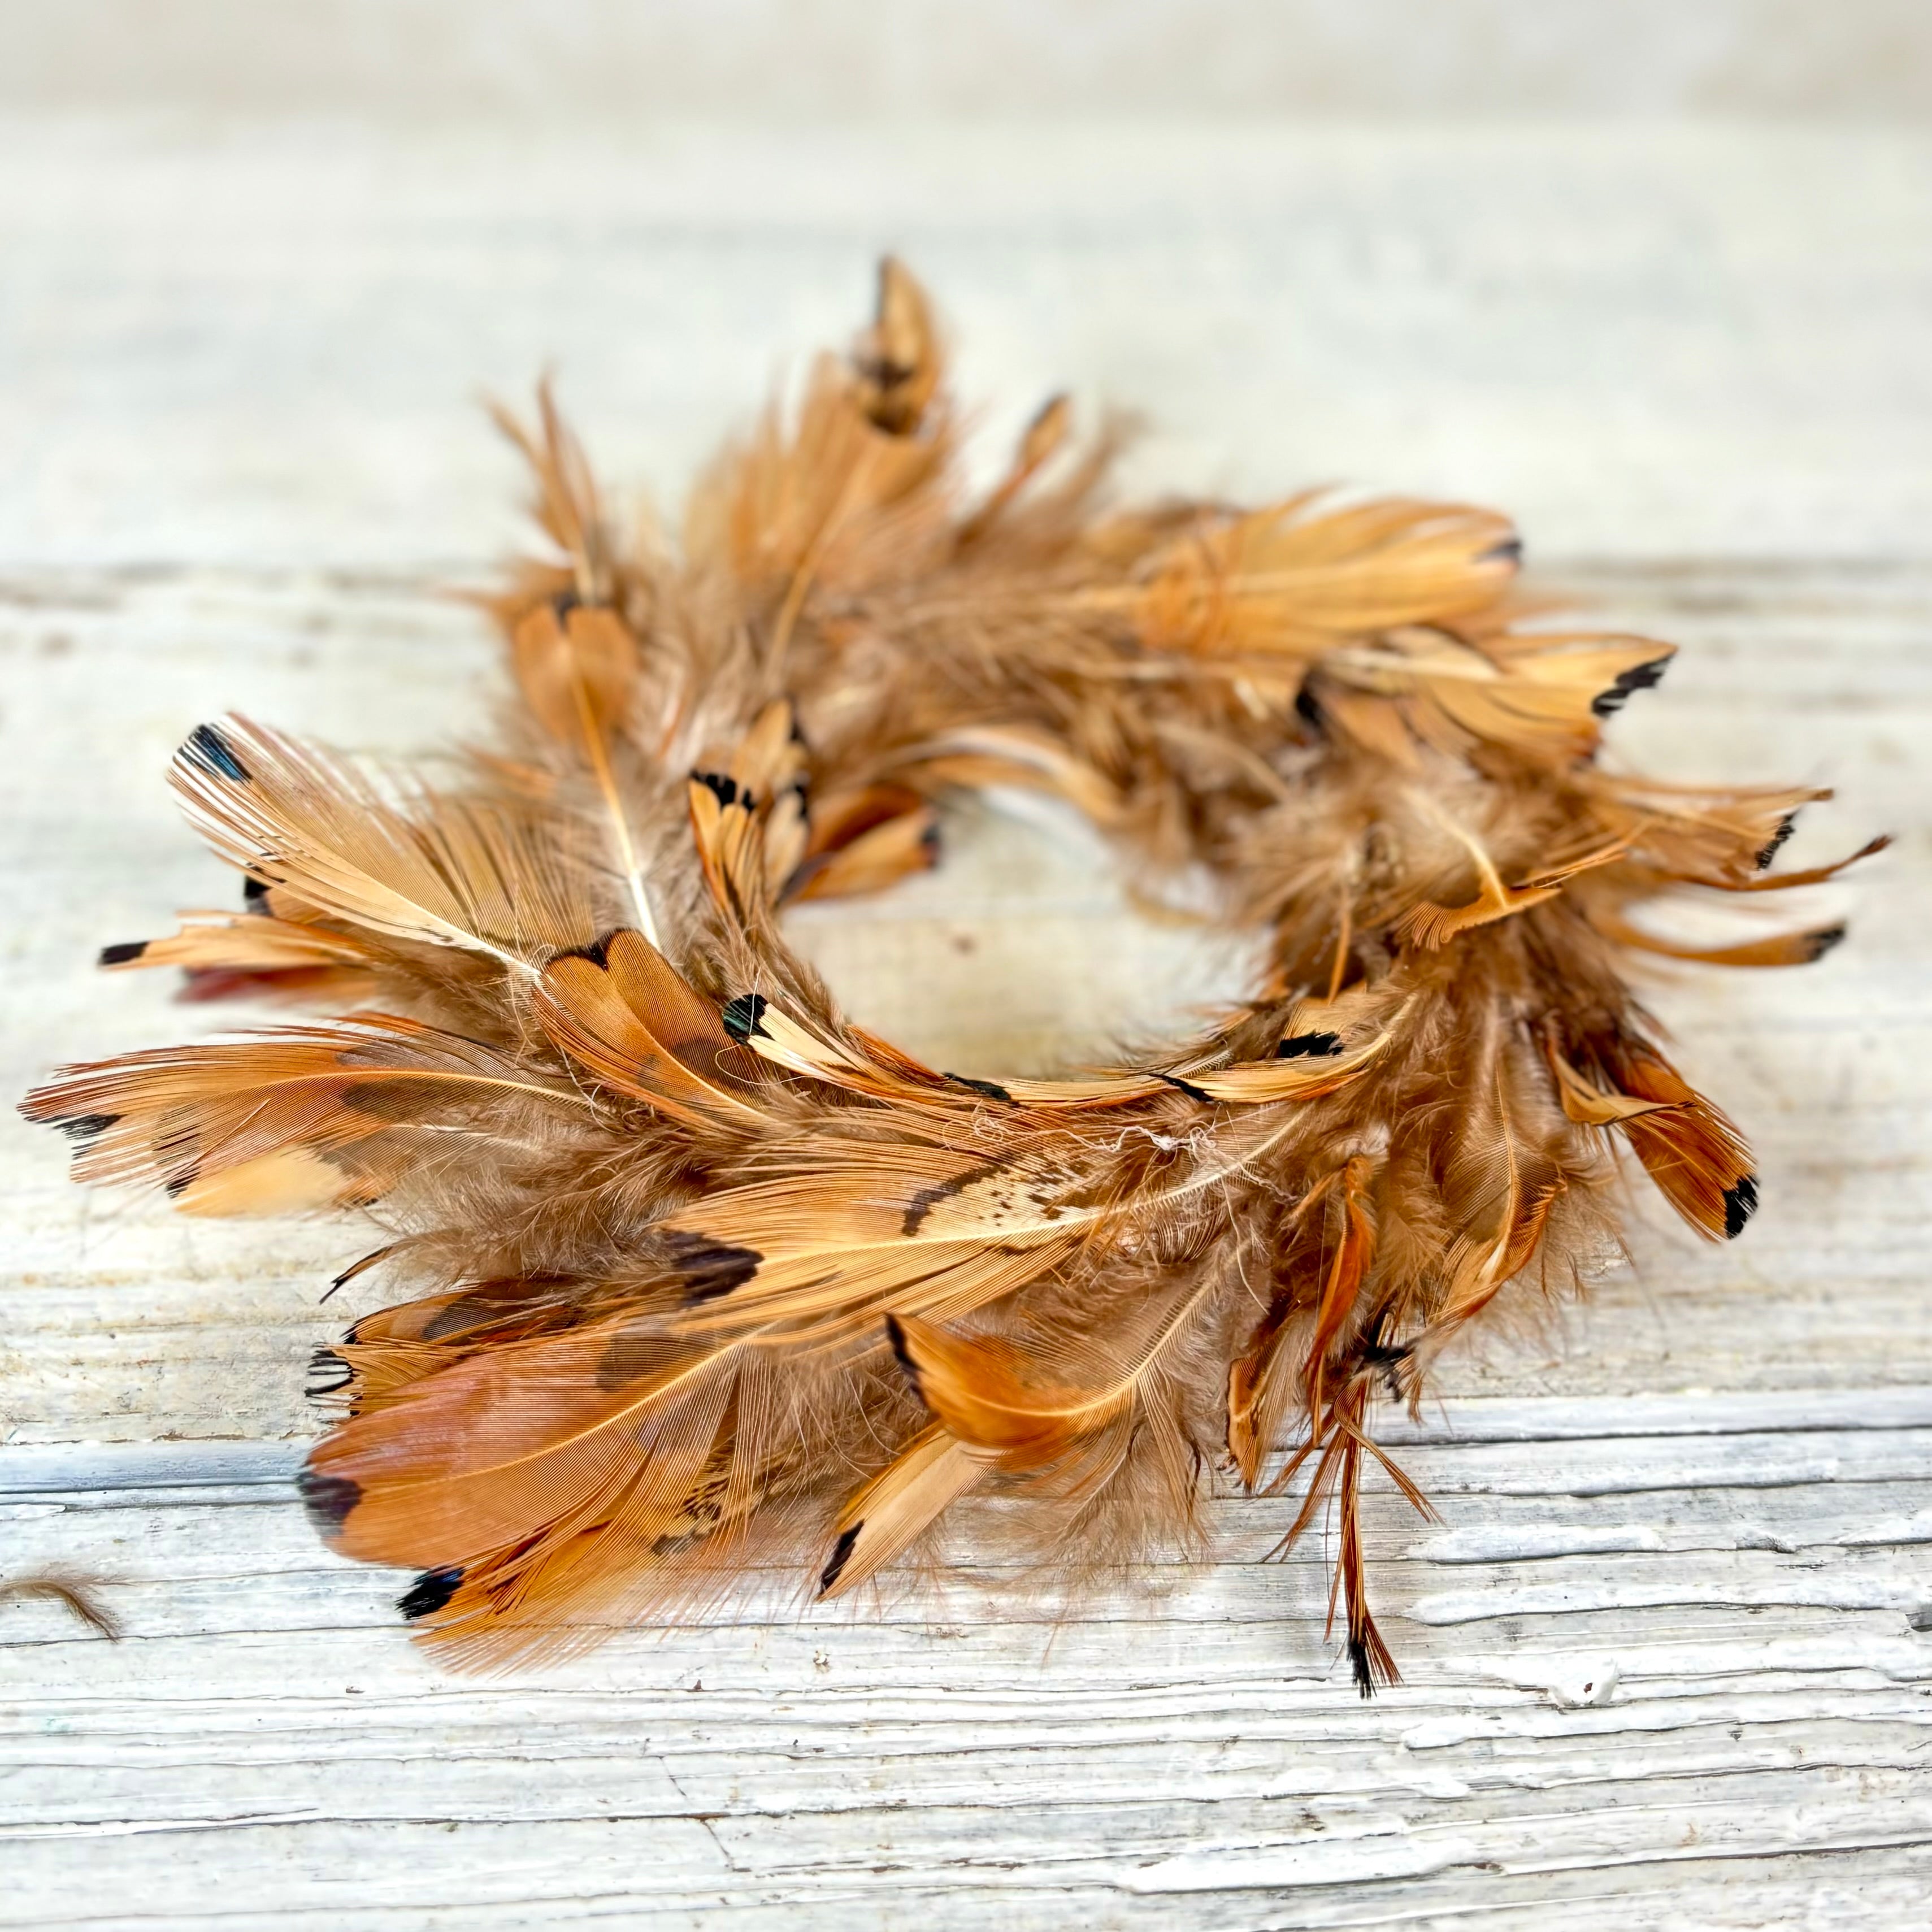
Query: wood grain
[245, 462]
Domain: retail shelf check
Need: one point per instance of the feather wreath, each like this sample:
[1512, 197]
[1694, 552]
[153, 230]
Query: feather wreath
[705, 1276]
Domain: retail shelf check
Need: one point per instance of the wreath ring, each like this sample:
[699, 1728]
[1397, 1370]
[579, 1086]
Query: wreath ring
[704, 1275]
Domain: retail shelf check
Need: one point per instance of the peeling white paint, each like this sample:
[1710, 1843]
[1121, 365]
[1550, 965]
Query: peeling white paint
[1488, 1542]
[1587, 1683]
[1387, 1850]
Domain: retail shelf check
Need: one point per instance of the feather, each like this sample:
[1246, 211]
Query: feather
[80, 1599]
[578, 670]
[1342, 1287]
[862, 1230]
[621, 1010]
[540, 1481]
[989, 755]
[566, 506]
[1042, 440]
[1282, 579]
[1547, 702]
[1692, 1152]
[898, 361]
[448, 872]
[1810, 875]
[293, 1118]
[1261, 1382]
[225, 953]
[749, 819]
[858, 1228]
[242, 943]
[896, 1507]
[1783, 948]
[1723, 837]
[391, 1348]
[507, 1442]
[1339, 1444]
[1689, 1148]
[884, 835]
[778, 1036]
[999, 1400]
[1432, 926]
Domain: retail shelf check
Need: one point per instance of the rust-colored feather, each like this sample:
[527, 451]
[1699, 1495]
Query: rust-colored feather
[622, 1011]
[1029, 1407]
[1689, 1148]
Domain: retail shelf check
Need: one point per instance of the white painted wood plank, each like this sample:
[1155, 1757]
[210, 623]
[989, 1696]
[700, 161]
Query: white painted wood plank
[241, 379]
[267, 347]
[1752, 1557]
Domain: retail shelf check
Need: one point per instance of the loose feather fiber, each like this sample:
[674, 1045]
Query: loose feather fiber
[706, 1279]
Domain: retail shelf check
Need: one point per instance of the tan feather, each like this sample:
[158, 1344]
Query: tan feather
[579, 675]
[292, 1118]
[899, 361]
[856, 1228]
[242, 943]
[567, 505]
[987, 754]
[747, 853]
[886, 1517]
[447, 871]
[1809, 875]
[79, 1598]
[1432, 926]
[1282, 579]
[1040, 442]
[1547, 702]
[1304, 1069]
[1783, 948]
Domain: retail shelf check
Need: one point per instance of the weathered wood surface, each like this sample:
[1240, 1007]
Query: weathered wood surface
[237, 385]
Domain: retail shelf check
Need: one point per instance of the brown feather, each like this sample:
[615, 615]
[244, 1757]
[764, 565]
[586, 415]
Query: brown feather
[625, 1014]
[297, 1117]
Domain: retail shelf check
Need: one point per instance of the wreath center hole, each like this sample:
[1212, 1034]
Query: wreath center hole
[1023, 952]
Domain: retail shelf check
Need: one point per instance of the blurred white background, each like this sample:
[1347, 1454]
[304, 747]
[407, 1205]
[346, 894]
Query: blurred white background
[639, 60]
